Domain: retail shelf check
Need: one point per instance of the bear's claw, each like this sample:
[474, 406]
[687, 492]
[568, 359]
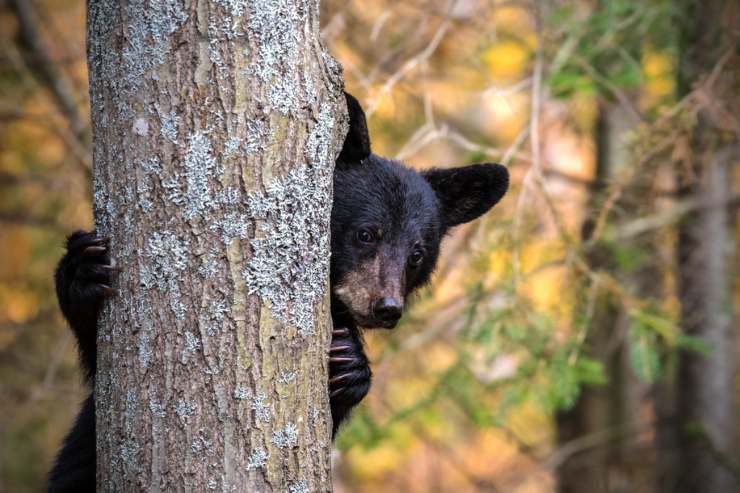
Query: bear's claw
[349, 373]
[85, 273]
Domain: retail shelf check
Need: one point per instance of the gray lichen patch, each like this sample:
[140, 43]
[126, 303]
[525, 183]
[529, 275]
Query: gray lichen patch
[167, 256]
[234, 7]
[229, 196]
[202, 444]
[149, 33]
[200, 164]
[148, 27]
[299, 487]
[185, 410]
[275, 25]
[128, 455]
[233, 147]
[290, 252]
[319, 145]
[172, 191]
[256, 135]
[210, 265]
[257, 459]
[217, 48]
[287, 437]
[155, 407]
[240, 393]
[168, 125]
[232, 225]
[287, 377]
[214, 51]
[151, 166]
[191, 346]
[215, 316]
[261, 410]
[104, 208]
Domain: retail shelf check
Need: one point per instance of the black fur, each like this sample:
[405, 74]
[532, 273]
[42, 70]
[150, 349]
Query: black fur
[74, 470]
[468, 192]
[82, 282]
[357, 142]
[386, 226]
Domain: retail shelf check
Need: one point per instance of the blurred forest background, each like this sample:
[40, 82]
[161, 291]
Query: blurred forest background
[580, 338]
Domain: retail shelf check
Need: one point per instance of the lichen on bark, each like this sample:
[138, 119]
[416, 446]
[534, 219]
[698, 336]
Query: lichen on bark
[216, 124]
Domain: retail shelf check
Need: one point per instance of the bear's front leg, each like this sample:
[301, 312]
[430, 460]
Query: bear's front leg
[349, 374]
[83, 280]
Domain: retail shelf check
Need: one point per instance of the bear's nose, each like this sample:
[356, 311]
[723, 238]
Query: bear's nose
[387, 310]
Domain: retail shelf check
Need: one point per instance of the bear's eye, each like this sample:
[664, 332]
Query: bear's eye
[365, 236]
[416, 257]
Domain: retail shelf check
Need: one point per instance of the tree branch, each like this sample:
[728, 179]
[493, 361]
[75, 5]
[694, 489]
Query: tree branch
[38, 59]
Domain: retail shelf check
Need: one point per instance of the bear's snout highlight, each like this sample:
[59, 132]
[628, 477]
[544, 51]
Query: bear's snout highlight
[373, 292]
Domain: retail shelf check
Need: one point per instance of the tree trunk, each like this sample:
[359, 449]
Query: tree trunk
[705, 390]
[606, 409]
[215, 127]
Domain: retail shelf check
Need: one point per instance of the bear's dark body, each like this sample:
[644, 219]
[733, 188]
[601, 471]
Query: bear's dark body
[387, 224]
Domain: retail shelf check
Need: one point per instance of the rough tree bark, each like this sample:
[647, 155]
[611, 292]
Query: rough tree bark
[707, 415]
[215, 127]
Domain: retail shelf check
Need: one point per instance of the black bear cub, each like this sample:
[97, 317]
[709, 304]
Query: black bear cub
[386, 227]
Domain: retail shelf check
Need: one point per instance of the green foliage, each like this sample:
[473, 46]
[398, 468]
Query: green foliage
[549, 372]
[653, 338]
[599, 53]
[644, 353]
[694, 344]
[627, 257]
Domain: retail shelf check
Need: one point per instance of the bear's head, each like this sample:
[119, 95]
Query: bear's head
[388, 221]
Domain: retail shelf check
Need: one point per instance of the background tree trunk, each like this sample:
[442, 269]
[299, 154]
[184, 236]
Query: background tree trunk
[599, 409]
[705, 390]
[215, 127]
[602, 413]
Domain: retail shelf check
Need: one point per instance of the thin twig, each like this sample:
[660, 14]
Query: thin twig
[79, 149]
[410, 65]
[46, 70]
[670, 216]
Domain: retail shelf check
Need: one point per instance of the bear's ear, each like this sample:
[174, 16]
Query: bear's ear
[357, 142]
[468, 192]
